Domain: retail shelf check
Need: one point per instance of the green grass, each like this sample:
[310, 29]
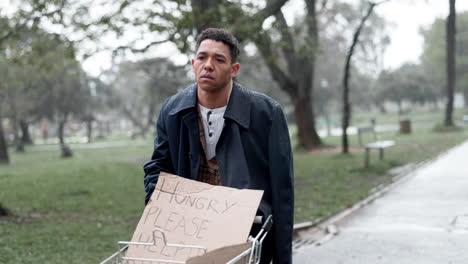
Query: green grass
[75, 210]
[416, 116]
[70, 210]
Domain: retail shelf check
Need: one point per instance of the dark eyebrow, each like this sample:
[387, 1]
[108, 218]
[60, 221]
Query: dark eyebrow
[220, 55]
[216, 54]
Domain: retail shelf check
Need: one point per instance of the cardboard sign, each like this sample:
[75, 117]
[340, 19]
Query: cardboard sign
[192, 213]
[224, 255]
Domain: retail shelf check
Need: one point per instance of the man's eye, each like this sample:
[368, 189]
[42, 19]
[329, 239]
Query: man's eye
[220, 60]
[201, 58]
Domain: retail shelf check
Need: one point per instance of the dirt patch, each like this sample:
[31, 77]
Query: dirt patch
[333, 150]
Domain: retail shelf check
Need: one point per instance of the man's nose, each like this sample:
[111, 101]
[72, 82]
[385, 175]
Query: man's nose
[209, 64]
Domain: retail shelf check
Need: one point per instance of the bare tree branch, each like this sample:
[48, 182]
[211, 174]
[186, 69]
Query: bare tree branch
[346, 103]
[141, 50]
[288, 42]
[272, 7]
[380, 2]
[322, 7]
[31, 17]
[263, 41]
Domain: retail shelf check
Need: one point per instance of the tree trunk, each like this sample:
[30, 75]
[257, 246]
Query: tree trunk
[465, 97]
[44, 130]
[4, 158]
[66, 152]
[328, 122]
[19, 145]
[451, 75]
[381, 107]
[17, 138]
[346, 102]
[205, 12]
[89, 129]
[14, 120]
[400, 109]
[60, 131]
[310, 137]
[25, 135]
[297, 81]
[306, 130]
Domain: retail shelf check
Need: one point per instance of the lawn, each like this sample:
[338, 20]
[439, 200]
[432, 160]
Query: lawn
[74, 210]
[70, 210]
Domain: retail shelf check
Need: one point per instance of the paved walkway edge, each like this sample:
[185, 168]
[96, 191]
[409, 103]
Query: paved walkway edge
[325, 228]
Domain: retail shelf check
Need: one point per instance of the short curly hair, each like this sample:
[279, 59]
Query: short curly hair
[222, 35]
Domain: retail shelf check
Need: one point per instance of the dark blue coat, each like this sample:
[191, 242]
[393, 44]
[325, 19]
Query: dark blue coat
[253, 152]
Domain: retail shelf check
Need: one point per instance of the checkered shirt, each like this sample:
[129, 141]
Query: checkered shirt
[208, 171]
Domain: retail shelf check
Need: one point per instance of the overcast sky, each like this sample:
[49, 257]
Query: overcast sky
[409, 16]
[406, 18]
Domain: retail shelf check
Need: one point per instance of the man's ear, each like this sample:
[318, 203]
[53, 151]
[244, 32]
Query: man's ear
[234, 69]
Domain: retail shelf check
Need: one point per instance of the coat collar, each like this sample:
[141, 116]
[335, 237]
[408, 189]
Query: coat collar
[238, 108]
[185, 99]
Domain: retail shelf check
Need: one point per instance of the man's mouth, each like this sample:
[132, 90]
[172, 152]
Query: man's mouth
[206, 76]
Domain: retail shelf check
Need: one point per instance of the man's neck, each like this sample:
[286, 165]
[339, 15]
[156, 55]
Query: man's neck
[216, 99]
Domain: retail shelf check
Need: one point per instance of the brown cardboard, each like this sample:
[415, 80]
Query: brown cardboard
[193, 213]
[223, 255]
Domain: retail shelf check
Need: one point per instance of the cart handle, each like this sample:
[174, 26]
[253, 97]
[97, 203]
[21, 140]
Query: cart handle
[268, 223]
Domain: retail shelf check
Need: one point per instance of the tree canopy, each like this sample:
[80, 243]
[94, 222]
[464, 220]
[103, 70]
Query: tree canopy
[434, 52]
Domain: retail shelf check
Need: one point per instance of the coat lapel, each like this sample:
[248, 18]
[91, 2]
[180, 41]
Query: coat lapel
[238, 108]
[190, 120]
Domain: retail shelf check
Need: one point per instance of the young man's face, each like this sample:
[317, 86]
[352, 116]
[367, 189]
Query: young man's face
[213, 66]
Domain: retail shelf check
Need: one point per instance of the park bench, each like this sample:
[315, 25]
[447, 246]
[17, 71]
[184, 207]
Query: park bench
[375, 144]
[465, 119]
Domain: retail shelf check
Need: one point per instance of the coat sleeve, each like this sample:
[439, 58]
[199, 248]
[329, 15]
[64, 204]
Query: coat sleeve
[161, 158]
[282, 177]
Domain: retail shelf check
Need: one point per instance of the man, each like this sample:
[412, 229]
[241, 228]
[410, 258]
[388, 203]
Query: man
[220, 133]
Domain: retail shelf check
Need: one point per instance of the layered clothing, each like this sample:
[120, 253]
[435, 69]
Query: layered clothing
[253, 152]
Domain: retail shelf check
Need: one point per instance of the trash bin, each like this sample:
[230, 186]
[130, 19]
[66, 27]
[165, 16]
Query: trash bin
[405, 126]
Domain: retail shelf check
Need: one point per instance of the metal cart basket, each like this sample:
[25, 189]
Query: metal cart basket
[250, 256]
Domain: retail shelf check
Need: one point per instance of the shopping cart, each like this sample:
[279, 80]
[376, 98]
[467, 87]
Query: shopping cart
[251, 255]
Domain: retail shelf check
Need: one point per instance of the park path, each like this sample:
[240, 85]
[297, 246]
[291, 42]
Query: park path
[422, 220]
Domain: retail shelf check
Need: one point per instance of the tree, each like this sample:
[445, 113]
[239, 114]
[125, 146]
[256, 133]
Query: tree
[4, 157]
[255, 74]
[44, 79]
[451, 75]
[410, 83]
[139, 89]
[97, 102]
[38, 10]
[346, 101]
[337, 23]
[20, 78]
[292, 69]
[435, 53]
[64, 77]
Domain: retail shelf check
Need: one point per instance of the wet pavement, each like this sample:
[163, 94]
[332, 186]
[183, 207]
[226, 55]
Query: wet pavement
[422, 220]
